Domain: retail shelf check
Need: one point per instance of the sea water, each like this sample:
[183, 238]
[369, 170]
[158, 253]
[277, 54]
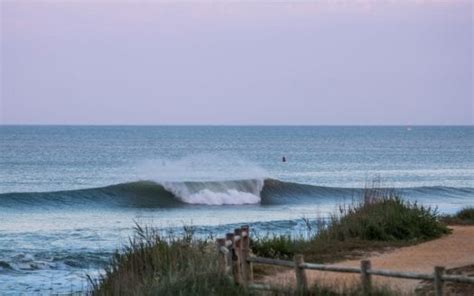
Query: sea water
[71, 195]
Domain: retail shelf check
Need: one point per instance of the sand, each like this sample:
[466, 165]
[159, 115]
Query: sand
[453, 250]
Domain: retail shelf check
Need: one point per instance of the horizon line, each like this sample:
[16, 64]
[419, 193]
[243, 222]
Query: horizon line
[233, 125]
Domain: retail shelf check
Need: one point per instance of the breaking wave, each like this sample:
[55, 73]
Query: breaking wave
[148, 194]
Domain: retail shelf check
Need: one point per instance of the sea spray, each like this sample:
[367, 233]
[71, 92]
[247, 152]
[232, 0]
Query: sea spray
[207, 179]
[198, 167]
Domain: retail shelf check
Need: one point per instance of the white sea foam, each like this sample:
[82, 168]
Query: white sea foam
[217, 193]
[230, 197]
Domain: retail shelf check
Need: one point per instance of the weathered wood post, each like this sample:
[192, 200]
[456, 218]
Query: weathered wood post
[221, 256]
[438, 280]
[365, 276]
[247, 275]
[236, 256]
[229, 237]
[301, 280]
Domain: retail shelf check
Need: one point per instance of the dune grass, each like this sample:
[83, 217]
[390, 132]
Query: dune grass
[165, 265]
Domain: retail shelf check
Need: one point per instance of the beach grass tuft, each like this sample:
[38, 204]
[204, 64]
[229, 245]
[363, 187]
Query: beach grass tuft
[385, 217]
[154, 264]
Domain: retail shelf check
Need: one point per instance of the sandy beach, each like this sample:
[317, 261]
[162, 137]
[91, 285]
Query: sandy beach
[451, 251]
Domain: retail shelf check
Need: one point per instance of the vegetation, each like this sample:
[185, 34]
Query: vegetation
[464, 217]
[171, 265]
[183, 265]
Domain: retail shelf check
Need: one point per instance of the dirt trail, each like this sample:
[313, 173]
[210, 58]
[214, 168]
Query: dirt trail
[454, 250]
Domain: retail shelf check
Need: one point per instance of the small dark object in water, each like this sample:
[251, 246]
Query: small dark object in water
[283, 159]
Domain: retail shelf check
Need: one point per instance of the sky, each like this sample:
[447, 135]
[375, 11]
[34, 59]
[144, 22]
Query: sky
[320, 62]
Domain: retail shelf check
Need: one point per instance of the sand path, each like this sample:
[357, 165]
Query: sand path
[454, 250]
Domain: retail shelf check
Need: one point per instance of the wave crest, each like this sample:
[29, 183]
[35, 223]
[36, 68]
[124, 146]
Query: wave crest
[147, 194]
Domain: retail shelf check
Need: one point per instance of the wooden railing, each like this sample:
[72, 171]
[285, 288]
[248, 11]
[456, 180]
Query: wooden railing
[235, 260]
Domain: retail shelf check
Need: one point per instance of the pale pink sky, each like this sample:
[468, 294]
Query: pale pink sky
[363, 62]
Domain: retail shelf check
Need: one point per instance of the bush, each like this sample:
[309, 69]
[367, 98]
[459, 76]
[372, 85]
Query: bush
[466, 214]
[279, 246]
[385, 219]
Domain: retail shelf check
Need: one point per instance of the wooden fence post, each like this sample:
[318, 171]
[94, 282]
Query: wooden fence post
[438, 280]
[247, 275]
[221, 256]
[236, 256]
[229, 237]
[301, 280]
[365, 277]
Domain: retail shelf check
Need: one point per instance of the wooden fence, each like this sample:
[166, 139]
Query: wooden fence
[235, 260]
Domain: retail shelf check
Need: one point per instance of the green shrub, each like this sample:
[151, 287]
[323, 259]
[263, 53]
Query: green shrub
[466, 214]
[278, 246]
[385, 219]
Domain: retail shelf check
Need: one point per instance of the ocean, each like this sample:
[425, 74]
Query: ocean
[71, 195]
